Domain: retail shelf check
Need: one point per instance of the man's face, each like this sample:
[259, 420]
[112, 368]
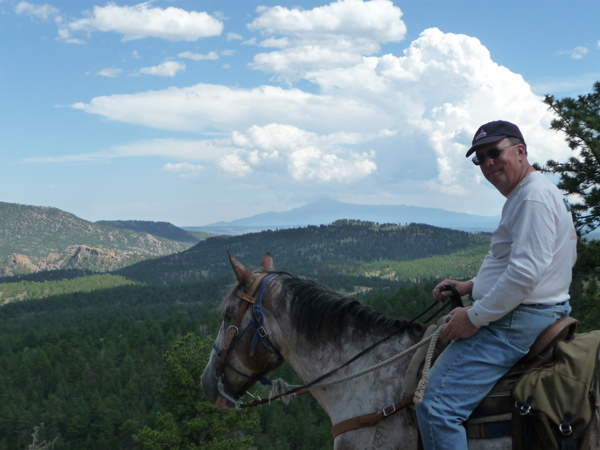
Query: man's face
[506, 171]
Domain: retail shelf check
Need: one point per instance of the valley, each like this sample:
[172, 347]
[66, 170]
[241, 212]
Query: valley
[103, 355]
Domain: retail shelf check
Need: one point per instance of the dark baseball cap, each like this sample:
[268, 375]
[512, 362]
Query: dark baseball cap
[493, 132]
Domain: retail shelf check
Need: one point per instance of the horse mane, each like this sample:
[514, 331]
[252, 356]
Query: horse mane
[316, 311]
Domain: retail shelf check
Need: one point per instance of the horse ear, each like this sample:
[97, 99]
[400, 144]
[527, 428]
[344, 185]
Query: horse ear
[267, 263]
[243, 275]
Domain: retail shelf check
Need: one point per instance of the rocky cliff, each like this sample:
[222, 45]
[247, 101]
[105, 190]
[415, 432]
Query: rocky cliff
[34, 238]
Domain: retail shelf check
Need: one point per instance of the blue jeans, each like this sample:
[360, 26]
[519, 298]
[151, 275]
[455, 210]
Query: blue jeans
[468, 370]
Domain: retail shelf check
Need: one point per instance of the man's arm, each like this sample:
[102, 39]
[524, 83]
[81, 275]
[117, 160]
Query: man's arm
[534, 236]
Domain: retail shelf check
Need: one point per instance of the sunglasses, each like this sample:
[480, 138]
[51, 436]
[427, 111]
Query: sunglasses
[492, 153]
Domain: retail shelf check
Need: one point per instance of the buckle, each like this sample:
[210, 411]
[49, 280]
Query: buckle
[565, 429]
[523, 409]
[261, 332]
[384, 410]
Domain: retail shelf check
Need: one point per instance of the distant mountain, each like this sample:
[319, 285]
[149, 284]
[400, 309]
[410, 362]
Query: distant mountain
[326, 211]
[159, 229]
[34, 238]
[332, 248]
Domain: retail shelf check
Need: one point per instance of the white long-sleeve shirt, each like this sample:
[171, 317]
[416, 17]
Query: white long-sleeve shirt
[531, 255]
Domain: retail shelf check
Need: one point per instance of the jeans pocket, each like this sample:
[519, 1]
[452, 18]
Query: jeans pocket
[528, 322]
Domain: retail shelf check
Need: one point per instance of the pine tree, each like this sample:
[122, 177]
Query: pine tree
[579, 119]
[190, 422]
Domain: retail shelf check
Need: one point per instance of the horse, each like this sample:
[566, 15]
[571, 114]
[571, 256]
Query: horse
[316, 331]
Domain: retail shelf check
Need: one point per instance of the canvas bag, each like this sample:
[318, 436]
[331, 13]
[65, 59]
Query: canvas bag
[557, 402]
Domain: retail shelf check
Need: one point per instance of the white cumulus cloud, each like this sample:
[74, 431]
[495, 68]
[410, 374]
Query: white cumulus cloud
[184, 170]
[274, 42]
[110, 72]
[334, 35]
[44, 12]
[198, 56]
[312, 164]
[407, 116]
[144, 21]
[376, 20]
[234, 37]
[166, 69]
[305, 155]
[64, 35]
[576, 53]
[234, 165]
[204, 107]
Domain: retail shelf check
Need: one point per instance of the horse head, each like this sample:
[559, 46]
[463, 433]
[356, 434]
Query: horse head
[242, 352]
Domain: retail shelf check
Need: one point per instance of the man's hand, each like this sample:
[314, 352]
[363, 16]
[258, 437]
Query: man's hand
[463, 288]
[460, 326]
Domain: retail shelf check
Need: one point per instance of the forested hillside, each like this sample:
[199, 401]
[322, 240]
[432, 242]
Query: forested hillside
[34, 238]
[83, 354]
[86, 365]
[159, 229]
[101, 361]
[20, 290]
[351, 247]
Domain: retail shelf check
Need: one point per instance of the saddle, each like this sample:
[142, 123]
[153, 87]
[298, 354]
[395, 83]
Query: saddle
[499, 400]
[492, 417]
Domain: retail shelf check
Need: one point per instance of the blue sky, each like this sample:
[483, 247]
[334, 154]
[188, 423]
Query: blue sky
[193, 112]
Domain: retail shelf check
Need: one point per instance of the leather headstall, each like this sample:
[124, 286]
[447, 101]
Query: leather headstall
[235, 328]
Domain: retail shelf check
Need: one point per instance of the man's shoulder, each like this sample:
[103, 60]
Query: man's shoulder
[539, 187]
[540, 190]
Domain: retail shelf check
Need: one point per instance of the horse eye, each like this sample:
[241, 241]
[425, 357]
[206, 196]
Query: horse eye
[229, 312]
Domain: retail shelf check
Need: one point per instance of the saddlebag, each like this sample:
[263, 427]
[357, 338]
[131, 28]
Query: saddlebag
[556, 403]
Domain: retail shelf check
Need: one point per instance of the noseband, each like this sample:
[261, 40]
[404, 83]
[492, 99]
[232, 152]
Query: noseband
[234, 335]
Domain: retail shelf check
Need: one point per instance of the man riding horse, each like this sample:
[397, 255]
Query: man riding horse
[522, 287]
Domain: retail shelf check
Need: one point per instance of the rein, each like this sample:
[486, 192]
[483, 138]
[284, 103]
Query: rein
[455, 301]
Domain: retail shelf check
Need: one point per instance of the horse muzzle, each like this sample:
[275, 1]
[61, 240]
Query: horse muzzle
[215, 390]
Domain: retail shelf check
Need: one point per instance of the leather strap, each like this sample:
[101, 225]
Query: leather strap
[235, 328]
[245, 296]
[369, 420]
[455, 299]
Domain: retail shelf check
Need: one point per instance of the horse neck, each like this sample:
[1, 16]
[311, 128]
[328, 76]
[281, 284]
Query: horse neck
[312, 358]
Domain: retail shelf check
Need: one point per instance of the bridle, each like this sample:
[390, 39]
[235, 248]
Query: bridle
[234, 336]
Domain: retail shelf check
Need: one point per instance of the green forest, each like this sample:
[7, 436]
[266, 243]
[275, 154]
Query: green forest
[112, 360]
[87, 359]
